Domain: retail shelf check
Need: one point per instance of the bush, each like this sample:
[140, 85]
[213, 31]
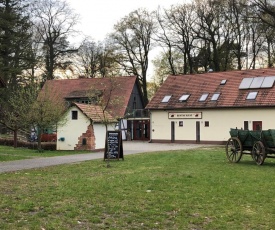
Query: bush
[27, 144]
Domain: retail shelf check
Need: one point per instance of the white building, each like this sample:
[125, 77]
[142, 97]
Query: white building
[201, 108]
[83, 128]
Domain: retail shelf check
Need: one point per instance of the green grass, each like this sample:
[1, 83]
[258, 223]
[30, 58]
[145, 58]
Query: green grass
[194, 189]
[8, 153]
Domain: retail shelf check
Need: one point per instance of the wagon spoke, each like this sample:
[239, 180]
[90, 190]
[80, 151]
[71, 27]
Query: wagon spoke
[258, 152]
[233, 150]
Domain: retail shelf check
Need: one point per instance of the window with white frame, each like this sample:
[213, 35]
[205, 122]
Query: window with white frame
[203, 97]
[251, 95]
[166, 98]
[184, 97]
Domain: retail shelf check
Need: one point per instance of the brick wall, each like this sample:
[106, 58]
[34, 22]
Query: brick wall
[87, 140]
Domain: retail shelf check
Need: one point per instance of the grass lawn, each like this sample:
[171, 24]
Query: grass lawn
[193, 189]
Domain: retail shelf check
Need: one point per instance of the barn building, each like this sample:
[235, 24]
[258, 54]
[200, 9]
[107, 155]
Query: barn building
[122, 102]
[201, 108]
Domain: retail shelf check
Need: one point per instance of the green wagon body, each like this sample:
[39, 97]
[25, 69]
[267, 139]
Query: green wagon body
[259, 144]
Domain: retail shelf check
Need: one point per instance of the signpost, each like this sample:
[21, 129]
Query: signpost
[113, 145]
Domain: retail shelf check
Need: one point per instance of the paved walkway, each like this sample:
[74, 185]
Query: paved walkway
[129, 147]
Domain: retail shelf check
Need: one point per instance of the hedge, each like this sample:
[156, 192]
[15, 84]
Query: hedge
[27, 144]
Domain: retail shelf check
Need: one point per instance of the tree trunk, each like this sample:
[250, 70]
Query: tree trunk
[39, 139]
[15, 138]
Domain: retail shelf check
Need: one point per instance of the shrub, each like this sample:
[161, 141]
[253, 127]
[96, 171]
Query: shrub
[27, 144]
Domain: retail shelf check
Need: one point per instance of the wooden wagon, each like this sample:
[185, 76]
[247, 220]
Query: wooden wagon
[259, 144]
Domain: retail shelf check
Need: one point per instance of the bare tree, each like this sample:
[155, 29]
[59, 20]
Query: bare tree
[181, 21]
[97, 59]
[54, 22]
[164, 38]
[208, 27]
[47, 111]
[132, 36]
[264, 10]
[104, 97]
[16, 107]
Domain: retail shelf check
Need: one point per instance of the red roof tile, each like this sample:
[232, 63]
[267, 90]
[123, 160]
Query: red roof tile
[95, 112]
[121, 88]
[197, 84]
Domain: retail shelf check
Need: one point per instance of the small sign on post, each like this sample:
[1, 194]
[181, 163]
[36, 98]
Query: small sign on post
[113, 145]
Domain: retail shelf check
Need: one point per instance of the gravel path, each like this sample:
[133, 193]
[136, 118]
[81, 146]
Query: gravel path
[129, 147]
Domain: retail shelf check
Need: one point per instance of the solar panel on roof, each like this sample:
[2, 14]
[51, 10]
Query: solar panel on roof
[268, 82]
[246, 82]
[257, 82]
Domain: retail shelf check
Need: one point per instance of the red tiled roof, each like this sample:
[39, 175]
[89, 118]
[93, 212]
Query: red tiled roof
[198, 84]
[95, 112]
[120, 95]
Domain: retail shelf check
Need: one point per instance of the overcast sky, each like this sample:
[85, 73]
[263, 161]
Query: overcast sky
[97, 17]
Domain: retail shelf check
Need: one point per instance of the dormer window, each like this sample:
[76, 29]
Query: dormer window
[184, 97]
[203, 97]
[251, 95]
[215, 96]
[166, 98]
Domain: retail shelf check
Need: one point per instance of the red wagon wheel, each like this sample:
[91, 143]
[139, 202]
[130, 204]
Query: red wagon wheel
[234, 149]
[258, 152]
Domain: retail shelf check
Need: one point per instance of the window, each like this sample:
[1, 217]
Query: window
[84, 141]
[74, 115]
[134, 103]
[184, 97]
[166, 98]
[223, 82]
[181, 123]
[204, 97]
[206, 124]
[251, 95]
[215, 97]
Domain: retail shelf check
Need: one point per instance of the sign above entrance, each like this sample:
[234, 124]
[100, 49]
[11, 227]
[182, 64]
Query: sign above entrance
[182, 115]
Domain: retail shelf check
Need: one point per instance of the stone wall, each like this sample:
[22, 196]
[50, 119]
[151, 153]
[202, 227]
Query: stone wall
[87, 140]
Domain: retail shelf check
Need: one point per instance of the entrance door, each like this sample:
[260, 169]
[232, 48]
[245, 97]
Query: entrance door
[198, 132]
[257, 125]
[172, 131]
[141, 130]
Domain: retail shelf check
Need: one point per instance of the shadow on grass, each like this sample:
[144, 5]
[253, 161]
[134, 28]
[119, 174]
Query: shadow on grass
[247, 162]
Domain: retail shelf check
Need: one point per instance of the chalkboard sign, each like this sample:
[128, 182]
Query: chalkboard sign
[113, 145]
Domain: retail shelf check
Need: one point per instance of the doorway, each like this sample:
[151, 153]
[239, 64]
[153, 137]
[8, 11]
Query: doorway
[198, 132]
[257, 125]
[172, 131]
[141, 130]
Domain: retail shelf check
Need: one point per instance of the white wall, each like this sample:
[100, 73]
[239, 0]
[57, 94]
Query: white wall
[71, 130]
[100, 134]
[220, 122]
